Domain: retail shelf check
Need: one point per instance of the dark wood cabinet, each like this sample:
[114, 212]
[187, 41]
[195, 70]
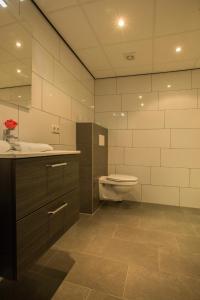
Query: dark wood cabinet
[39, 202]
[93, 162]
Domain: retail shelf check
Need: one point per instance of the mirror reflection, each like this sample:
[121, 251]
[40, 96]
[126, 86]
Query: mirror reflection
[15, 59]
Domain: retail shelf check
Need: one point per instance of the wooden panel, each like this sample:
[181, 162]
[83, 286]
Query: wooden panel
[65, 217]
[32, 238]
[31, 185]
[7, 219]
[100, 153]
[38, 231]
[38, 184]
[62, 178]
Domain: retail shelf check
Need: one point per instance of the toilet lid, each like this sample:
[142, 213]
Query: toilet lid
[122, 178]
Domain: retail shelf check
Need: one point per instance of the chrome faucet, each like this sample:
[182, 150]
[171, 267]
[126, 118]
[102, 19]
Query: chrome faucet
[10, 138]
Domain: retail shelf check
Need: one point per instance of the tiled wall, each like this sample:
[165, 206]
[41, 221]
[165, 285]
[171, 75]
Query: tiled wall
[154, 133]
[62, 90]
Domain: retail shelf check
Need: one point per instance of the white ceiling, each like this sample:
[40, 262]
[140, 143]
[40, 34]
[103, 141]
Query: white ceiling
[154, 28]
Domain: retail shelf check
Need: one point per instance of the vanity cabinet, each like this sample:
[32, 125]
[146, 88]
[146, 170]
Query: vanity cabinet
[39, 202]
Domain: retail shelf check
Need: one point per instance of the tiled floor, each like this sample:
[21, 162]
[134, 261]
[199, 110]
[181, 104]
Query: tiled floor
[125, 251]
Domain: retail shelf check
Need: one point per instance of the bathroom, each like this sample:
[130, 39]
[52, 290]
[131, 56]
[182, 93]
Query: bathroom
[100, 149]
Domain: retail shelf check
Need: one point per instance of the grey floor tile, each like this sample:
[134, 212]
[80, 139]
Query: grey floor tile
[142, 284]
[189, 245]
[185, 265]
[74, 240]
[91, 227]
[125, 218]
[139, 235]
[95, 295]
[130, 253]
[61, 261]
[70, 291]
[97, 273]
[167, 225]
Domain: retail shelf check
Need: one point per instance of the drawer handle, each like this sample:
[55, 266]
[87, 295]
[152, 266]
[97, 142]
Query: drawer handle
[53, 212]
[57, 165]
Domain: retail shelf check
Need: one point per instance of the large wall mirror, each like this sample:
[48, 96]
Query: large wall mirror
[15, 58]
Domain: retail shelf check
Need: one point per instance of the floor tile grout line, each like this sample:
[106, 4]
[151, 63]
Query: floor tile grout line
[125, 282]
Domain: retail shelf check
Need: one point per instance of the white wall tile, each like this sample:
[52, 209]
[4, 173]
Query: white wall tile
[111, 120]
[36, 89]
[55, 101]
[119, 138]
[182, 118]
[195, 178]
[115, 155]
[178, 99]
[196, 79]
[169, 176]
[36, 126]
[142, 157]
[43, 63]
[143, 173]
[176, 80]
[184, 158]
[190, 197]
[185, 138]
[160, 195]
[111, 169]
[146, 119]
[140, 101]
[64, 80]
[105, 86]
[67, 132]
[151, 138]
[134, 84]
[81, 113]
[108, 103]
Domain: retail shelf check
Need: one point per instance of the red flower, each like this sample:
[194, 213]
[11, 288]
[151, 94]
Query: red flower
[10, 124]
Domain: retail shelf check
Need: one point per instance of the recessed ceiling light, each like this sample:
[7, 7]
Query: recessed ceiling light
[19, 71]
[178, 49]
[130, 57]
[121, 22]
[169, 85]
[18, 44]
[142, 104]
[3, 3]
[19, 96]
[123, 114]
[140, 96]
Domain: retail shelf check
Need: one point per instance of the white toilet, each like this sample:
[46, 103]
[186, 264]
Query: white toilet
[115, 186]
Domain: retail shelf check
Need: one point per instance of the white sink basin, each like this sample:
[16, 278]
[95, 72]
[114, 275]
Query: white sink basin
[21, 154]
[33, 147]
[4, 146]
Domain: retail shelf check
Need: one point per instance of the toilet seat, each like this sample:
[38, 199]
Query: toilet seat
[122, 178]
[119, 180]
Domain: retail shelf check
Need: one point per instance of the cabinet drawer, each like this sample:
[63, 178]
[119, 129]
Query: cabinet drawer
[38, 231]
[31, 185]
[62, 176]
[63, 214]
[42, 180]
[32, 238]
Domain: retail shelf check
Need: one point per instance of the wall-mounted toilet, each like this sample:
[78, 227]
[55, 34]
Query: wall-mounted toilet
[115, 186]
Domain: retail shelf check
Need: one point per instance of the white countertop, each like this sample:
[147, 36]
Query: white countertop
[20, 154]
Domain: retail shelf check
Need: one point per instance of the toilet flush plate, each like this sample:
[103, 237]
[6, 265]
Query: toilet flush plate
[101, 140]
